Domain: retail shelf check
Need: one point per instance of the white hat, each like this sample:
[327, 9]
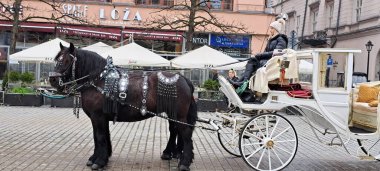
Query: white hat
[278, 25]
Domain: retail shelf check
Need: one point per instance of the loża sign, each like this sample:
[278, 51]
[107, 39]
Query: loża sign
[115, 15]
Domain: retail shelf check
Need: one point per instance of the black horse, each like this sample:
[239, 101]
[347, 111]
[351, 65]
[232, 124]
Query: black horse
[73, 64]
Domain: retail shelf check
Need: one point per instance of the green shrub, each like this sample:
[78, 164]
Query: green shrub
[4, 84]
[211, 85]
[27, 77]
[22, 90]
[14, 76]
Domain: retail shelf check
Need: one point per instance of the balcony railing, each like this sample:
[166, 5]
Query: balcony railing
[249, 7]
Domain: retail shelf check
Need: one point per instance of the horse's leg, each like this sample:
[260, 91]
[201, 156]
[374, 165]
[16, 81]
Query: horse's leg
[186, 132]
[179, 149]
[92, 159]
[102, 140]
[169, 150]
[187, 155]
[108, 138]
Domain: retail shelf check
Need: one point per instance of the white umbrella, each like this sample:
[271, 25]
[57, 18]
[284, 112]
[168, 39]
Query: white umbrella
[305, 67]
[235, 66]
[99, 48]
[134, 54]
[204, 57]
[44, 52]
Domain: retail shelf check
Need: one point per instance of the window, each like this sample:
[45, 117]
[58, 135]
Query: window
[155, 2]
[314, 20]
[298, 23]
[330, 9]
[358, 9]
[217, 4]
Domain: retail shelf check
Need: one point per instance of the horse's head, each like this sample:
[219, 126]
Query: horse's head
[64, 67]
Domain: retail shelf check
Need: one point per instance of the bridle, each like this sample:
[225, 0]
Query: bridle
[73, 82]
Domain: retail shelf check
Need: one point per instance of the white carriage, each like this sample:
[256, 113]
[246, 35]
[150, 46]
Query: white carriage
[324, 95]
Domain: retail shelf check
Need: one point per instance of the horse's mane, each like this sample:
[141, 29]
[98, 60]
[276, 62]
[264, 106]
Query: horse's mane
[89, 62]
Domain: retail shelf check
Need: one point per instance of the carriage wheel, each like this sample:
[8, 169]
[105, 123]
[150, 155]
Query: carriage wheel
[268, 142]
[361, 147]
[229, 132]
[368, 152]
[229, 139]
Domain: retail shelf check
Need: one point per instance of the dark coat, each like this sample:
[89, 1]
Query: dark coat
[234, 78]
[280, 41]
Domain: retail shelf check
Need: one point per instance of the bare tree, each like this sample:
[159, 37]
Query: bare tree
[192, 16]
[18, 11]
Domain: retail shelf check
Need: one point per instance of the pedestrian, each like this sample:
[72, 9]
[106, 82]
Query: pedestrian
[277, 40]
[232, 76]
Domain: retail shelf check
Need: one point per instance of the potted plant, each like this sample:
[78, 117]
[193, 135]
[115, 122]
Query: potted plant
[211, 99]
[20, 94]
[64, 102]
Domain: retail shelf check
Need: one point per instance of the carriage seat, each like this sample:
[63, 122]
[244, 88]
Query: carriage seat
[271, 72]
[365, 106]
[233, 98]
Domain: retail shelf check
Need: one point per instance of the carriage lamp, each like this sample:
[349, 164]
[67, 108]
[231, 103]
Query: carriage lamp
[369, 46]
[335, 64]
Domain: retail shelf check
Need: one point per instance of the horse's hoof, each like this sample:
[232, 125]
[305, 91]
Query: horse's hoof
[184, 168]
[96, 167]
[89, 163]
[166, 156]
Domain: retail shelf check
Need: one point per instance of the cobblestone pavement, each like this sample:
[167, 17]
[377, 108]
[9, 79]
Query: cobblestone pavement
[43, 138]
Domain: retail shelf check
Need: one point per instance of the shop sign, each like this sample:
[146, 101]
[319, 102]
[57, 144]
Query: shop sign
[232, 41]
[115, 15]
[99, 33]
[9, 9]
[153, 35]
[75, 10]
[201, 39]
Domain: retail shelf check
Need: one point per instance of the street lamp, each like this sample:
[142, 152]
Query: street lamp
[369, 48]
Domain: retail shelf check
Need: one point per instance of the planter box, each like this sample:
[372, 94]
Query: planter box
[65, 102]
[15, 99]
[208, 105]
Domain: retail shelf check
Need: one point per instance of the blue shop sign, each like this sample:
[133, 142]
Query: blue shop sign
[229, 41]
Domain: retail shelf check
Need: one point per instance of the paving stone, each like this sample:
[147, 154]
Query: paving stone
[44, 138]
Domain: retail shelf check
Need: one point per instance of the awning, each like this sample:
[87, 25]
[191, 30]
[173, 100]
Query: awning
[93, 32]
[153, 35]
[29, 26]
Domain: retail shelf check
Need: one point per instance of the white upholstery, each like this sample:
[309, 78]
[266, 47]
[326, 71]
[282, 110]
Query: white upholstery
[364, 116]
[271, 70]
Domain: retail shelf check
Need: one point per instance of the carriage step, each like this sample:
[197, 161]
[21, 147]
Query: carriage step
[334, 144]
[367, 158]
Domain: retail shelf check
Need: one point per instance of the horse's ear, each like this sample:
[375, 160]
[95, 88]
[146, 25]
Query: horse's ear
[71, 48]
[61, 46]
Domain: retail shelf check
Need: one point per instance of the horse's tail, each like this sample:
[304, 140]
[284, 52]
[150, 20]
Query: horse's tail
[192, 115]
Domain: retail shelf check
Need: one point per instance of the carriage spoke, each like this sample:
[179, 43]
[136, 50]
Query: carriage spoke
[250, 134]
[233, 138]
[274, 151]
[270, 163]
[283, 150]
[261, 157]
[267, 125]
[255, 123]
[281, 133]
[275, 126]
[257, 150]
[259, 143]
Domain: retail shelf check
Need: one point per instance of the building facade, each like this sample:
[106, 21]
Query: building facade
[336, 24]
